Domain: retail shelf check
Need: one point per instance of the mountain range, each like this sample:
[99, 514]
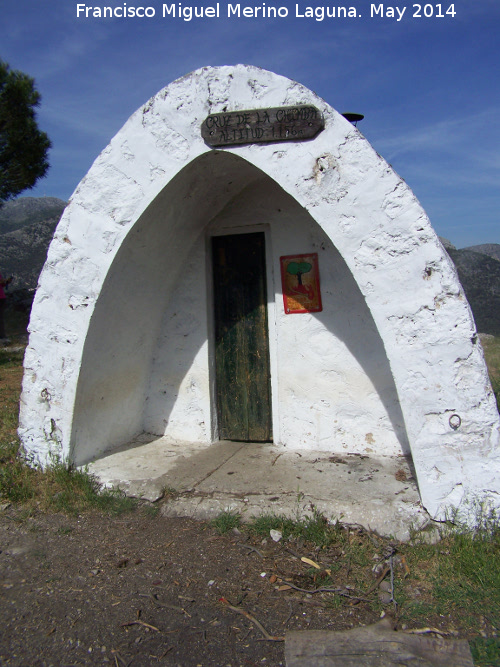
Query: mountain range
[27, 225]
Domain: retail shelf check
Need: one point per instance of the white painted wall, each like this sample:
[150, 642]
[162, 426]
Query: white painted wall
[112, 403]
[332, 385]
[140, 215]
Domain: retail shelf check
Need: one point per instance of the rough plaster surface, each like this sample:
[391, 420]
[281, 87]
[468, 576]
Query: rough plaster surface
[139, 218]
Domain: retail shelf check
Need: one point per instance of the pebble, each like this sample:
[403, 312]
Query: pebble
[384, 597]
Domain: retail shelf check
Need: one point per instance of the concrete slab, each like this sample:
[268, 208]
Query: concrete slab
[379, 493]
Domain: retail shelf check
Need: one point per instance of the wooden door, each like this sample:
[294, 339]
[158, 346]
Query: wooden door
[243, 382]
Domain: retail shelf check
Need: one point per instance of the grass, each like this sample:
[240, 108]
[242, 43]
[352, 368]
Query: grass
[457, 579]
[226, 521]
[59, 488]
[316, 530]
[491, 348]
[355, 546]
[485, 652]
[9, 359]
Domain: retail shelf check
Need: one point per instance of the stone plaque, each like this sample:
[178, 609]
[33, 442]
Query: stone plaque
[262, 125]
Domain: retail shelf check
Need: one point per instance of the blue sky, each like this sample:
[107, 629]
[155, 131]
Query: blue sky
[429, 87]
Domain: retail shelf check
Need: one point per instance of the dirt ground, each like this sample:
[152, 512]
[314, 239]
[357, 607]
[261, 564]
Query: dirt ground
[143, 590]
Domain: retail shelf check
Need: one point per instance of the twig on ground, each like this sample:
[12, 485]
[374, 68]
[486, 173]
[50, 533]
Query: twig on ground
[391, 564]
[285, 623]
[163, 604]
[424, 631]
[146, 625]
[170, 648]
[276, 458]
[294, 553]
[379, 581]
[117, 657]
[323, 589]
[241, 611]
[372, 536]
[250, 549]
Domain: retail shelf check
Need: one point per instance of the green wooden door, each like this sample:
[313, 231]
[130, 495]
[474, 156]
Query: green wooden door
[243, 384]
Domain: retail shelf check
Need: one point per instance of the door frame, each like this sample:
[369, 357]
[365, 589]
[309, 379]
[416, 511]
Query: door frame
[227, 230]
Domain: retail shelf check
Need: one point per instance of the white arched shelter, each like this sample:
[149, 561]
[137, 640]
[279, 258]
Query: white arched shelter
[122, 329]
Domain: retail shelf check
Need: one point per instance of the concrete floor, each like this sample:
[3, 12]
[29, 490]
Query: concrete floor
[261, 478]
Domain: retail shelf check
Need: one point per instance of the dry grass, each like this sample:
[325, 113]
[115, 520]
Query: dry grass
[491, 347]
[59, 488]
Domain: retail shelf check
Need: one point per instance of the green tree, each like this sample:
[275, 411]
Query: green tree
[298, 268]
[23, 147]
